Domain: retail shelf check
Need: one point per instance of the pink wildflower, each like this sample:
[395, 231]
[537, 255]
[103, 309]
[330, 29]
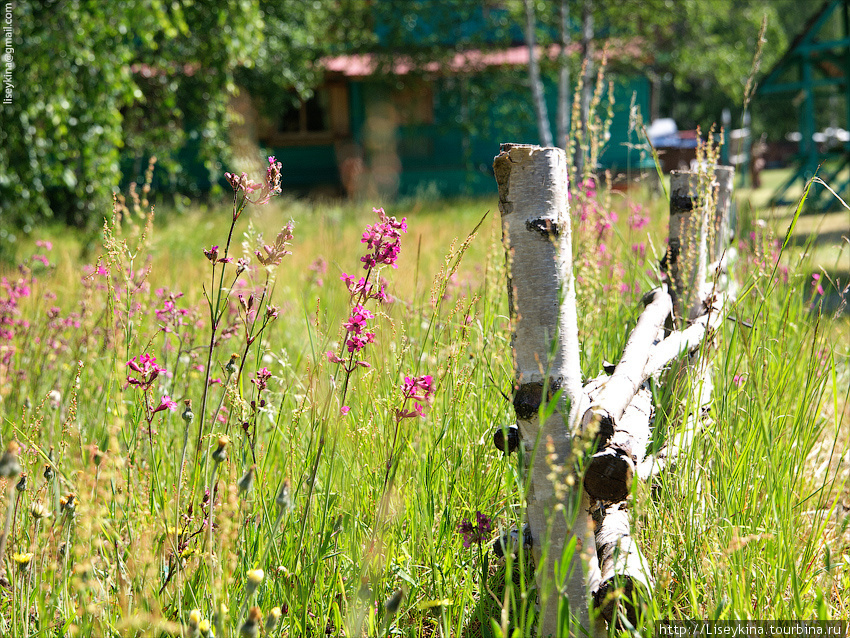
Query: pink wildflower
[383, 240]
[146, 370]
[267, 191]
[275, 252]
[367, 290]
[418, 389]
[638, 221]
[816, 284]
[262, 377]
[166, 404]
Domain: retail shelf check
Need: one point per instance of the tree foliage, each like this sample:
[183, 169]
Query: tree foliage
[101, 81]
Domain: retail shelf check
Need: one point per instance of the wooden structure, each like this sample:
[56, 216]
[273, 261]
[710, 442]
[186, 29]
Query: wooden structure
[814, 69]
[616, 406]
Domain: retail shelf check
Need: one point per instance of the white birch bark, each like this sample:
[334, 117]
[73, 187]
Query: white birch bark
[619, 389]
[687, 248]
[624, 573]
[535, 216]
[621, 411]
[722, 231]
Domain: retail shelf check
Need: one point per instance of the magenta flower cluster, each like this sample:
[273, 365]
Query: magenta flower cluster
[266, 191]
[477, 532]
[420, 390]
[637, 220]
[383, 240]
[10, 293]
[364, 290]
[357, 335]
[261, 379]
[146, 371]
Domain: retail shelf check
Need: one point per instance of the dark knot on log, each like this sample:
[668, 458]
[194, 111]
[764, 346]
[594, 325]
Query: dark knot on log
[546, 227]
[680, 203]
[602, 421]
[529, 396]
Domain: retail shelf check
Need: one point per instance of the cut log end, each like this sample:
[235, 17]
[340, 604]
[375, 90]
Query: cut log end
[602, 421]
[609, 476]
[506, 439]
[618, 596]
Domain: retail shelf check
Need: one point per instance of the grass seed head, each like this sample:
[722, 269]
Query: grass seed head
[188, 416]
[246, 482]
[220, 452]
[284, 497]
[394, 602]
[194, 617]
[255, 577]
[272, 619]
[38, 511]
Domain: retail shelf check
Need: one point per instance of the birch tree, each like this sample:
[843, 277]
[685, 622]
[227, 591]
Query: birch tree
[534, 76]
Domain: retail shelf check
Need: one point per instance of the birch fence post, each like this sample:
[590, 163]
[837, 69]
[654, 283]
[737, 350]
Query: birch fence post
[533, 201]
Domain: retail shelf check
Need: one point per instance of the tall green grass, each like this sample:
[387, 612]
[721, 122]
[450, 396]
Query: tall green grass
[751, 524]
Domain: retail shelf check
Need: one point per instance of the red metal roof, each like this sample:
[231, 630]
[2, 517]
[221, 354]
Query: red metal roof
[365, 64]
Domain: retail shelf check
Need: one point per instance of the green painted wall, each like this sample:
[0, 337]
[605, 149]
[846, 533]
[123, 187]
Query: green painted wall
[454, 154]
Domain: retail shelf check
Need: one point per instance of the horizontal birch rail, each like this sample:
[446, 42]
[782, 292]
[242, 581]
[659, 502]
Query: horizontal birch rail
[624, 573]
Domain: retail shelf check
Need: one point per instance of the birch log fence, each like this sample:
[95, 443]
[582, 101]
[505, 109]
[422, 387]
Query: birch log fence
[556, 409]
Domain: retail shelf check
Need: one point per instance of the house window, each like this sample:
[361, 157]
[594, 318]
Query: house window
[307, 116]
[320, 119]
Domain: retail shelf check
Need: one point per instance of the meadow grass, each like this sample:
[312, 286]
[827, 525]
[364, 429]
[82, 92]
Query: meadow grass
[335, 502]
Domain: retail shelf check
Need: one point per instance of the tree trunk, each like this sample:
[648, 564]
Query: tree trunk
[586, 87]
[564, 78]
[541, 292]
[721, 233]
[534, 76]
[687, 248]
